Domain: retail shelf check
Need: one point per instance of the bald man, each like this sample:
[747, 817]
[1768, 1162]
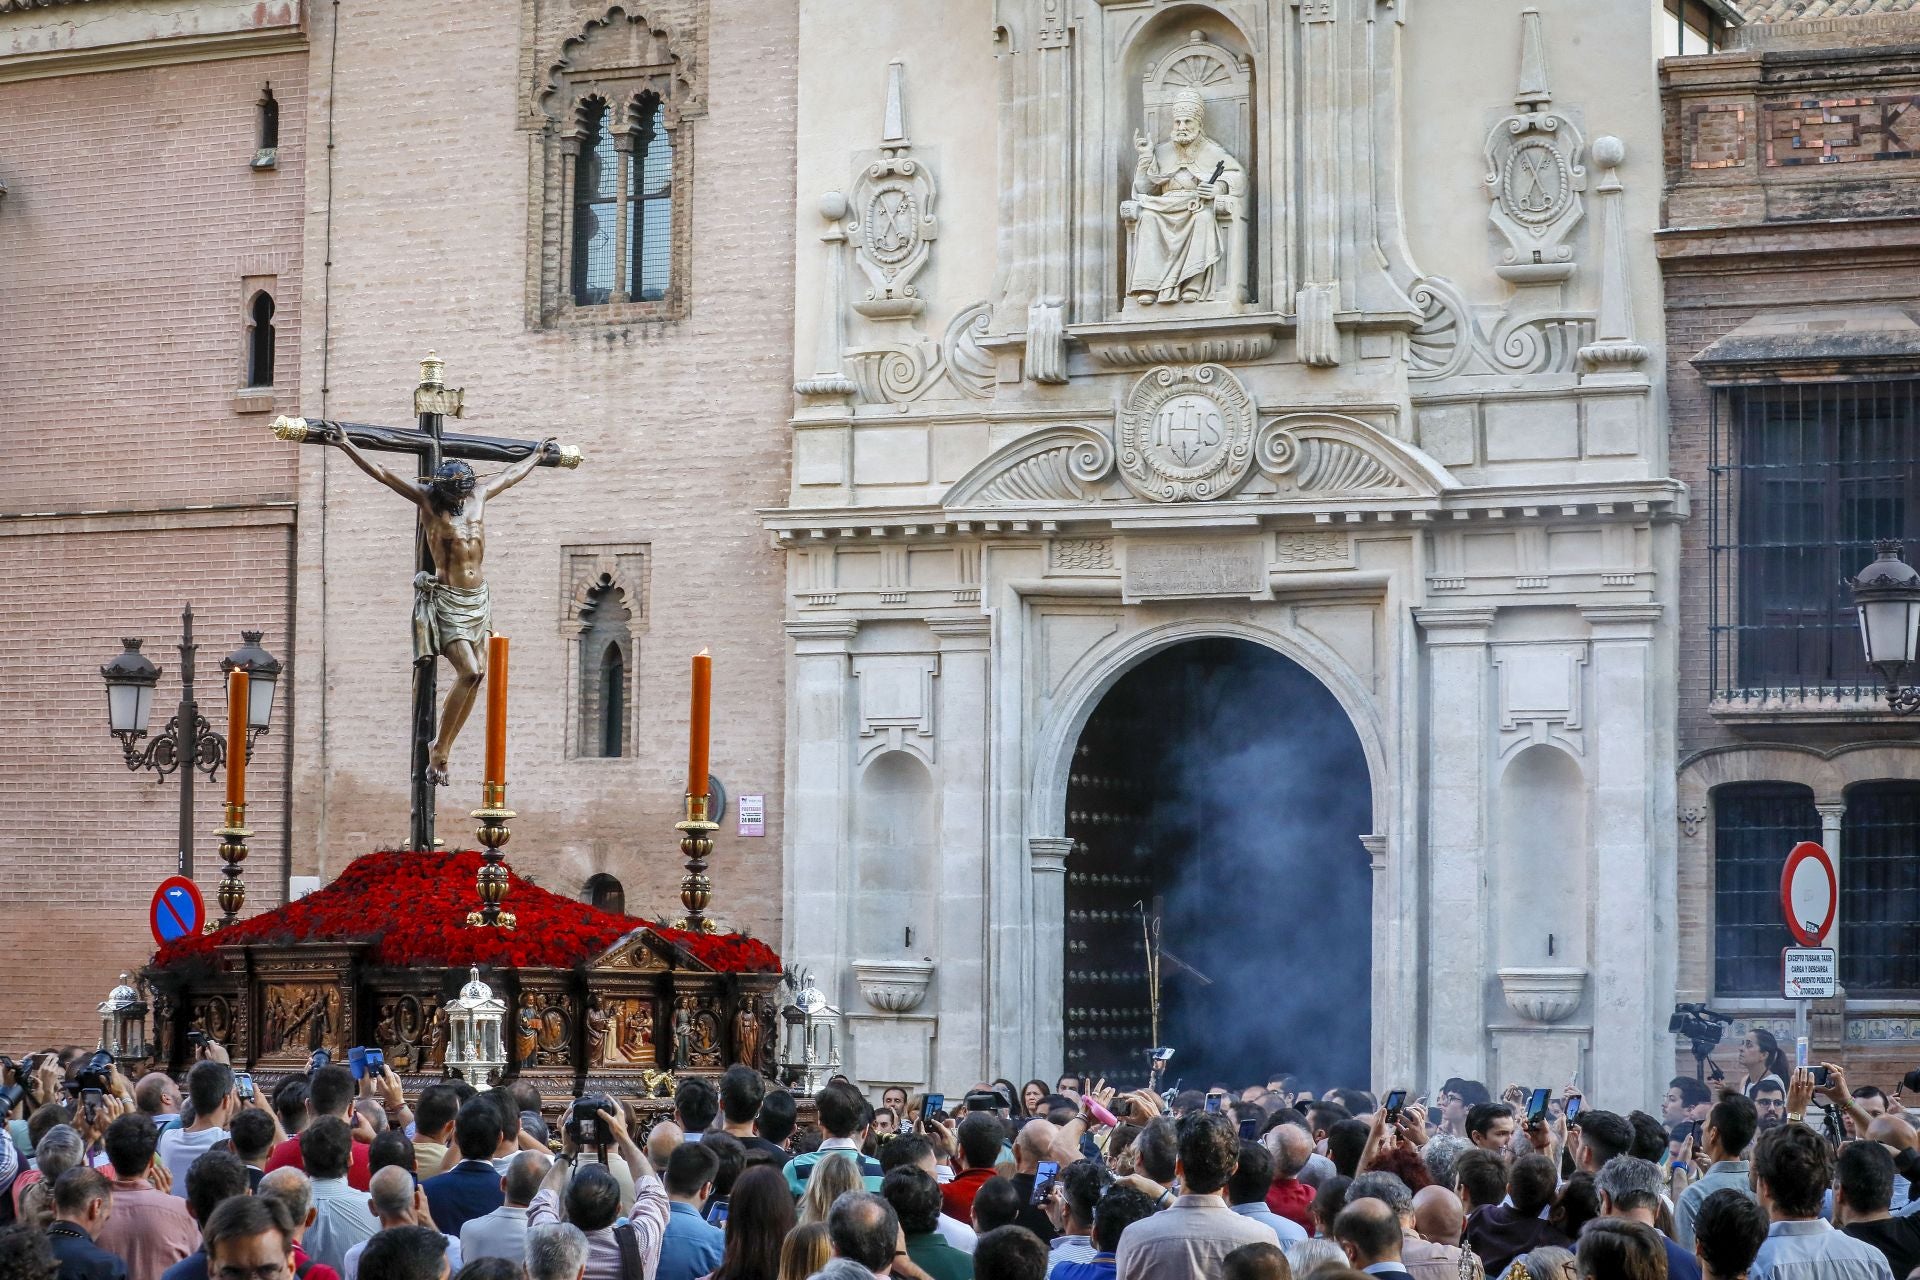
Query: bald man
[1437, 1215]
[158, 1098]
[1368, 1232]
[1037, 1141]
[398, 1201]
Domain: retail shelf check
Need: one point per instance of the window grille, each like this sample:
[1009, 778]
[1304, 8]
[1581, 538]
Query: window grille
[1755, 825]
[595, 210]
[650, 215]
[1802, 480]
[1880, 890]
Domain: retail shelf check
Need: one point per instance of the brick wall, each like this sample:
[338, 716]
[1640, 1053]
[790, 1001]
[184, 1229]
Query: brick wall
[131, 222]
[435, 189]
[1746, 236]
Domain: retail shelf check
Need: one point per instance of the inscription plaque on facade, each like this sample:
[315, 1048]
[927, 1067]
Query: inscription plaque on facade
[1159, 570]
[1186, 434]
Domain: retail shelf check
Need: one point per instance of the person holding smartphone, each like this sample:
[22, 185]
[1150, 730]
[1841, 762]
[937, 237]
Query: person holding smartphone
[215, 1098]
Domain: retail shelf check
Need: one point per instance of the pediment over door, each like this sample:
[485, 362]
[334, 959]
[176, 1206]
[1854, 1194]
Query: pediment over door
[1193, 435]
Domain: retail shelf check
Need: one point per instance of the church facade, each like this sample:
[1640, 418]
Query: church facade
[1306, 337]
[1176, 490]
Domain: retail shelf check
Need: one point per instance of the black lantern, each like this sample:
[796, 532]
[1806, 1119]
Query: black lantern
[130, 679]
[263, 675]
[1886, 595]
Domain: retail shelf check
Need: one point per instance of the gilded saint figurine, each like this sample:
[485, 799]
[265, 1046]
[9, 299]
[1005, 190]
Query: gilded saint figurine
[1186, 209]
[452, 610]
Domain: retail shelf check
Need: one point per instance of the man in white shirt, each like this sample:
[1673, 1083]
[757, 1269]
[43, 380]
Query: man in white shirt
[503, 1233]
[210, 1086]
[397, 1200]
[342, 1217]
[592, 1202]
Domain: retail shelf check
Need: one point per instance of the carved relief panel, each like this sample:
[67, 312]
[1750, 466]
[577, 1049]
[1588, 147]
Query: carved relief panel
[620, 1031]
[543, 1030]
[298, 1017]
[411, 1030]
[697, 1044]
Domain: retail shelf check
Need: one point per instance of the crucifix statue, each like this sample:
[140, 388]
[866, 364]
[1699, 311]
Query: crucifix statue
[452, 609]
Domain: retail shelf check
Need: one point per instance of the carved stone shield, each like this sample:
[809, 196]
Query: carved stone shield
[1186, 434]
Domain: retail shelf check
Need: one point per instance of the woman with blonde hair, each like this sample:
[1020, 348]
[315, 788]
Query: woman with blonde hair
[806, 1250]
[1549, 1262]
[828, 1181]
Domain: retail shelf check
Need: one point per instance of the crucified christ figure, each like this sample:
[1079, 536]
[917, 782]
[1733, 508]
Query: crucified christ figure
[452, 611]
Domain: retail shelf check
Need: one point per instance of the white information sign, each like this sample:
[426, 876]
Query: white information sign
[1810, 973]
[753, 815]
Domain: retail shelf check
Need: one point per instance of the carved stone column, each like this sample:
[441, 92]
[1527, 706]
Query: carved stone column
[960, 721]
[819, 730]
[1048, 858]
[1632, 859]
[1459, 755]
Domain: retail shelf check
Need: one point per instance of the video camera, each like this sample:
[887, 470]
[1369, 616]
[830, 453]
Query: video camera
[1703, 1028]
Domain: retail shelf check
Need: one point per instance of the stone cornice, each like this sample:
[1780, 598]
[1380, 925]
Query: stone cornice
[126, 37]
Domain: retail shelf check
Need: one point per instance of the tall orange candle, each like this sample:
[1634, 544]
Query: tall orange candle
[496, 771]
[236, 737]
[697, 729]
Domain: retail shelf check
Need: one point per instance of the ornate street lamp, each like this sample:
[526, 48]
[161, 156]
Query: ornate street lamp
[188, 742]
[263, 676]
[1887, 597]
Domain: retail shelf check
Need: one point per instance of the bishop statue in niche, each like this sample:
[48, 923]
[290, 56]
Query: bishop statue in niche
[1187, 215]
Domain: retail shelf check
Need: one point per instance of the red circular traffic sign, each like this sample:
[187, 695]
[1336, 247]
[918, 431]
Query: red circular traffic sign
[1809, 894]
[178, 911]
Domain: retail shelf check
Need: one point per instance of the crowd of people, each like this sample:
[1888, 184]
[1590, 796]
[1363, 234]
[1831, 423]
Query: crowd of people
[337, 1174]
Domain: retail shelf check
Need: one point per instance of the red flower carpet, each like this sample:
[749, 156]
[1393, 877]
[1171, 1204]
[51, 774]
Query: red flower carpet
[413, 908]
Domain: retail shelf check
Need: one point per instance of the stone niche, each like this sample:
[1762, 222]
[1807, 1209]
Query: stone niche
[1186, 58]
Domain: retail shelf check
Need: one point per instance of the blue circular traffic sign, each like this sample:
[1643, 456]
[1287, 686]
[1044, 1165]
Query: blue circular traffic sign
[178, 910]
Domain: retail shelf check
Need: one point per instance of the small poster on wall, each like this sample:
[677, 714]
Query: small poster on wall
[753, 815]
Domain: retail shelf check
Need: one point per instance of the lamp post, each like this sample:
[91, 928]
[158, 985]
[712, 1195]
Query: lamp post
[1886, 595]
[188, 742]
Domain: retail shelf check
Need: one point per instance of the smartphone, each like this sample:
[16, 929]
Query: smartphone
[935, 1104]
[243, 1086]
[90, 1100]
[1396, 1101]
[357, 1062]
[1573, 1107]
[376, 1061]
[1800, 1051]
[1213, 1103]
[1435, 1117]
[1537, 1107]
[1249, 1130]
[1160, 1055]
[1043, 1175]
[719, 1215]
[1819, 1075]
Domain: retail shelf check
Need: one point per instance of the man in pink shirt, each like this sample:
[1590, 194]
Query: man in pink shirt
[150, 1228]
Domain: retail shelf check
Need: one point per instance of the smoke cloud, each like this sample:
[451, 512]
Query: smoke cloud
[1254, 792]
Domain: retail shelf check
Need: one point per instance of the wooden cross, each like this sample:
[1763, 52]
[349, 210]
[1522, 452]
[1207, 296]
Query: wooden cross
[433, 403]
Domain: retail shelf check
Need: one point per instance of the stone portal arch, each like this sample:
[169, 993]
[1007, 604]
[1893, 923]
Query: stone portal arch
[1104, 665]
[1212, 778]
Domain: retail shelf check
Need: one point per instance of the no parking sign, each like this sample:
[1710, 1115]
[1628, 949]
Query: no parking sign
[178, 910]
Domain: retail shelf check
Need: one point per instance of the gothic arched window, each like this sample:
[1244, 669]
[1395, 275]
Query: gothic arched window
[260, 340]
[650, 206]
[606, 646]
[615, 154]
[596, 208]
